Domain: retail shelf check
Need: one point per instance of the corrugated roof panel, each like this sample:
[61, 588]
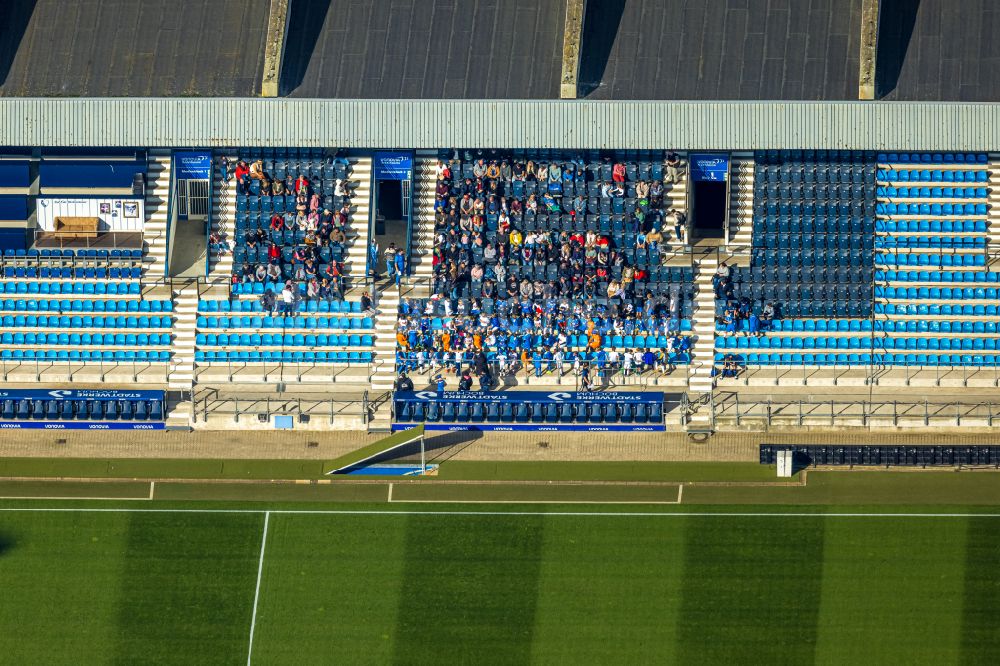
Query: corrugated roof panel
[501, 124]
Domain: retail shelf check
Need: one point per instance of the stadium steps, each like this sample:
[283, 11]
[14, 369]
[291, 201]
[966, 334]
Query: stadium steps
[223, 223]
[675, 196]
[422, 242]
[993, 218]
[157, 198]
[741, 171]
[185, 327]
[703, 356]
[384, 371]
[355, 261]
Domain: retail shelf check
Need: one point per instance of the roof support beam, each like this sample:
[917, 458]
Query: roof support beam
[869, 48]
[274, 47]
[572, 47]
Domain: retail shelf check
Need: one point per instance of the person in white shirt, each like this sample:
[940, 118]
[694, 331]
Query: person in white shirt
[287, 299]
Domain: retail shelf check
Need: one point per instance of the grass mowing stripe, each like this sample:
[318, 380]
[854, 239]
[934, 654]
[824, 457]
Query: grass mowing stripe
[608, 592]
[330, 590]
[187, 587]
[892, 591]
[59, 576]
[469, 590]
[750, 588]
[981, 610]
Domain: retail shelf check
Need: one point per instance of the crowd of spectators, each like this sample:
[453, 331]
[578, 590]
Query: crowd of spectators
[293, 236]
[545, 264]
[586, 339]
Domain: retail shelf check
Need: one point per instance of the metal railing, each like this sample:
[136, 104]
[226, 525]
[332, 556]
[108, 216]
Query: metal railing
[210, 404]
[733, 410]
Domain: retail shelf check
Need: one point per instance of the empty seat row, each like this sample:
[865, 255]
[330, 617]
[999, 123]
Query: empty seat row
[810, 241]
[921, 259]
[938, 293]
[82, 410]
[938, 344]
[937, 276]
[802, 291]
[936, 209]
[56, 305]
[237, 305]
[789, 359]
[891, 192]
[85, 321]
[794, 342]
[933, 158]
[890, 343]
[78, 356]
[817, 325]
[883, 359]
[936, 310]
[67, 272]
[265, 356]
[935, 326]
[279, 339]
[797, 209]
[931, 226]
[48, 254]
[286, 322]
[98, 339]
[527, 412]
[809, 258]
[776, 224]
[929, 242]
[933, 175]
[800, 275]
[61, 288]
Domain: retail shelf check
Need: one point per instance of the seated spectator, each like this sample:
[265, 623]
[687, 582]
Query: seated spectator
[301, 185]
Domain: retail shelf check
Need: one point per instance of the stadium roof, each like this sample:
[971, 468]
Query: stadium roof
[132, 48]
[432, 49]
[928, 50]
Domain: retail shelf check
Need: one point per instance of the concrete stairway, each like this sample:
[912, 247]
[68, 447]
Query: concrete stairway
[223, 223]
[355, 260]
[741, 174]
[703, 325]
[384, 373]
[993, 219]
[157, 197]
[675, 196]
[422, 241]
[185, 327]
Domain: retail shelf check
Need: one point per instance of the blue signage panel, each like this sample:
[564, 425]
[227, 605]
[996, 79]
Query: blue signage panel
[78, 425]
[193, 165]
[533, 427]
[66, 394]
[708, 167]
[393, 166]
[572, 397]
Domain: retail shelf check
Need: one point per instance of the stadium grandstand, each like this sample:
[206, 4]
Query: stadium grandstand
[606, 215]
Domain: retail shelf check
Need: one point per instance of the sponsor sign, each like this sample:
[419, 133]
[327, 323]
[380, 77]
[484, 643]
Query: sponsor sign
[709, 167]
[535, 427]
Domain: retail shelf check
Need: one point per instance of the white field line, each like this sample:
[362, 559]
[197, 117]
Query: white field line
[256, 595]
[422, 501]
[680, 493]
[407, 512]
[152, 487]
[390, 493]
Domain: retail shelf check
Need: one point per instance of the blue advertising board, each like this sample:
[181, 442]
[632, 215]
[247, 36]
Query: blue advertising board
[393, 165]
[533, 427]
[708, 167]
[193, 165]
[67, 394]
[79, 425]
[572, 397]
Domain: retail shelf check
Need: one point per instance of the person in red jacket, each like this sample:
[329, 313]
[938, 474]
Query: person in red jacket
[301, 185]
[242, 174]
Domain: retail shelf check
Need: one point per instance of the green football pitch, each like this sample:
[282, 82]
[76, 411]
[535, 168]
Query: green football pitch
[355, 584]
